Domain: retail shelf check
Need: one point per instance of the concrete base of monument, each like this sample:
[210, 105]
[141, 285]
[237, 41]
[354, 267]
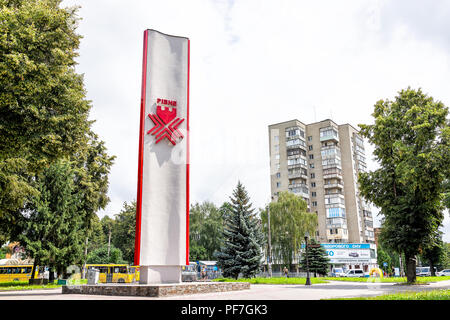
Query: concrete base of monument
[155, 290]
[160, 274]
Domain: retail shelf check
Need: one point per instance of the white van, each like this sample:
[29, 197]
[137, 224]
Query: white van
[354, 273]
[338, 272]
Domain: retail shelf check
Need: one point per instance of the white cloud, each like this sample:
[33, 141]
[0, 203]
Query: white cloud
[254, 63]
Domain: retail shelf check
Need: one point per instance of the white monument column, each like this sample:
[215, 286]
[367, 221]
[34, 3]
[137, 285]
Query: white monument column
[162, 206]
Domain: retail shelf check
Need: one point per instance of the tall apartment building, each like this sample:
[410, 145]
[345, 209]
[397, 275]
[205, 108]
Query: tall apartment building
[320, 162]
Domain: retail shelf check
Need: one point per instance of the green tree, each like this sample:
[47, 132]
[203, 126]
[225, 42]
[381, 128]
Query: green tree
[446, 258]
[411, 136]
[205, 230]
[124, 229]
[447, 194]
[43, 109]
[241, 251]
[101, 256]
[51, 225]
[197, 252]
[97, 237]
[93, 166]
[435, 255]
[318, 260]
[384, 257]
[289, 222]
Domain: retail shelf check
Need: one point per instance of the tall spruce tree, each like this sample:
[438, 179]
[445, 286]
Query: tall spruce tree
[241, 251]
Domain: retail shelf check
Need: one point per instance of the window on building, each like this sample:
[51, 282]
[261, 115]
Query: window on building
[278, 184]
[314, 203]
[313, 184]
[313, 194]
[278, 175]
[311, 156]
[313, 175]
[311, 165]
[310, 147]
[310, 138]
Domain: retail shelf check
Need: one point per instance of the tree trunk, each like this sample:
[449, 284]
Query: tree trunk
[51, 276]
[33, 272]
[410, 268]
[83, 269]
[433, 273]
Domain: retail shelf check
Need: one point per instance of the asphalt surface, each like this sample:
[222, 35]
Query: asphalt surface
[333, 289]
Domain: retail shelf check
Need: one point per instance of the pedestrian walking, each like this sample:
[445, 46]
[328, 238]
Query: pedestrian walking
[286, 272]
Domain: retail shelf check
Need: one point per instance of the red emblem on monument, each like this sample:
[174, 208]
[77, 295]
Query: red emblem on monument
[166, 121]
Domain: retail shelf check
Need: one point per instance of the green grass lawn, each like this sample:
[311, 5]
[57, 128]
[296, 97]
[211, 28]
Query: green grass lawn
[422, 295]
[282, 280]
[390, 280]
[23, 285]
[273, 280]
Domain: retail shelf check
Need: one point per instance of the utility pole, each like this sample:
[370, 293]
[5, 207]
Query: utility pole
[109, 240]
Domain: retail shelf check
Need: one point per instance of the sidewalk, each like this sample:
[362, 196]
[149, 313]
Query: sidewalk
[334, 289]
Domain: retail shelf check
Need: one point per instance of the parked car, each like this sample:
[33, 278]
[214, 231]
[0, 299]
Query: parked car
[338, 272]
[355, 273]
[424, 271]
[442, 273]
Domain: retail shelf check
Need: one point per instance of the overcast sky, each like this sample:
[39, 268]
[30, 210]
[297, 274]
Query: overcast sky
[254, 63]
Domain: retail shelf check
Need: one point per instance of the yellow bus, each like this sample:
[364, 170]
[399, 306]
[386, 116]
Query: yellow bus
[115, 273]
[18, 272]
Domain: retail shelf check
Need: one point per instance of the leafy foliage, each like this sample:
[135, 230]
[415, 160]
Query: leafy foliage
[124, 229]
[289, 221]
[51, 226]
[101, 256]
[43, 110]
[46, 134]
[205, 231]
[411, 136]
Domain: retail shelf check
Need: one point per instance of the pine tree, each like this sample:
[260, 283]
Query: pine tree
[318, 260]
[241, 251]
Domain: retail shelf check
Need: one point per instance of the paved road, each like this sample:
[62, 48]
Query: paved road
[334, 289]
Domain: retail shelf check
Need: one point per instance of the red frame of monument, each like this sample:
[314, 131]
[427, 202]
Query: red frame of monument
[137, 242]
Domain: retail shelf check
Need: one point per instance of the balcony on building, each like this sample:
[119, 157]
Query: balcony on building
[330, 152]
[337, 198]
[337, 234]
[299, 189]
[329, 133]
[297, 162]
[367, 214]
[331, 175]
[297, 174]
[336, 223]
[333, 185]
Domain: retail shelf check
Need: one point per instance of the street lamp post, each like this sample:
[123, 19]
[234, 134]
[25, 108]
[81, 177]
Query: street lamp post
[308, 280]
